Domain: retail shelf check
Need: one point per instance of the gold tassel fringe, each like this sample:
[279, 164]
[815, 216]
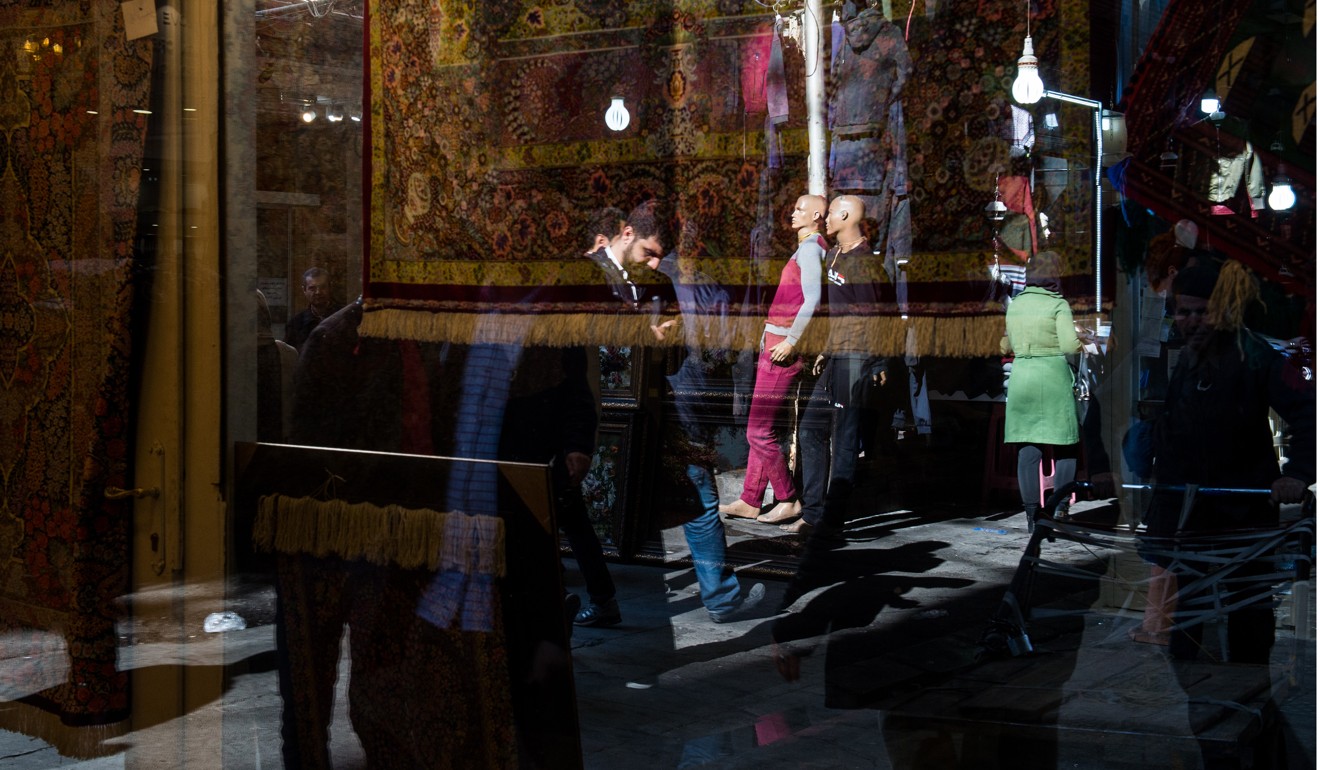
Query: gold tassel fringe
[391, 535]
[76, 742]
[973, 336]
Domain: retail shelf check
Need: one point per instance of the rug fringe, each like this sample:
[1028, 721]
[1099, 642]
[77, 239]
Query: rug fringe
[75, 742]
[973, 336]
[390, 535]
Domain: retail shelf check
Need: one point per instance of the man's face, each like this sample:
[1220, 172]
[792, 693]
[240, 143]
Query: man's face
[834, 220]
[643, 251]
[1189, 317]
[317, 292]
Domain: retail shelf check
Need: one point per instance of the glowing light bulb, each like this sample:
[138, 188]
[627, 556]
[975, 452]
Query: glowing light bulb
[1282, 196]
[1028, 88]
[308, 114]
[617, 117]
[1209, 102]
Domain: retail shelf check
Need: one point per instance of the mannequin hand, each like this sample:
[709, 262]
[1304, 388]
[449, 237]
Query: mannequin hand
[819, 365]
[782, 352]
[661, 330]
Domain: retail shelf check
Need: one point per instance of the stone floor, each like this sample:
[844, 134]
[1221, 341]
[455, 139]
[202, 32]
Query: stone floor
[889, 624]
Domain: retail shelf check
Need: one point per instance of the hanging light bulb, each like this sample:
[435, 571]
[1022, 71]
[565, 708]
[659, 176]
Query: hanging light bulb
[1282, 196]
[334, 113]
[1028, 88]
[617, 117]
[1210, 102]
[308, 113]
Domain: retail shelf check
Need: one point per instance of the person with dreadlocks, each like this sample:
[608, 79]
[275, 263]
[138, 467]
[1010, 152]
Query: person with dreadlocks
[1214, 431]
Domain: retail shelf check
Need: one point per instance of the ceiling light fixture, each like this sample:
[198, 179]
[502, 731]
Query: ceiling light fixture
[1028, 88]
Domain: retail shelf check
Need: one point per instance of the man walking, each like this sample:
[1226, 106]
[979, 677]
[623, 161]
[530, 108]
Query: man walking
[703, 307]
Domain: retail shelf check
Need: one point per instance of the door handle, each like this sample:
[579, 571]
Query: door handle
[115, 493]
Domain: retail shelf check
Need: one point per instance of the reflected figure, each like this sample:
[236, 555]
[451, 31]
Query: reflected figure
[833, 414]
[1041, 410]
[276, 362]
[552, 412]
[320, 305]
[348, 391]
[704, 308]
[1166, 259]
[612, 235]
[1214, 431]
[778, 367]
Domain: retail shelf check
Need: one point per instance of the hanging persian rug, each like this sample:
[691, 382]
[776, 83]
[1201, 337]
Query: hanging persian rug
[489, 153]
[70, 152]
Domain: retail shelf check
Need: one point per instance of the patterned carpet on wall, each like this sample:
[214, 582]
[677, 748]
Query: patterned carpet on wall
[489, 153]
[70, 158]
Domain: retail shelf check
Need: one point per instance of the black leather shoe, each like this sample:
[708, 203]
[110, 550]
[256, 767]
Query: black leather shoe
[743, 611]
[593, 614]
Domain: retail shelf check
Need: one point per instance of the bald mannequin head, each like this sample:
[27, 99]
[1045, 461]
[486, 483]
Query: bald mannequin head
[844, 221]
[809, 214]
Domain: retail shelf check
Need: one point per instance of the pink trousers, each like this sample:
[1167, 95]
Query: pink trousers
[765, 461]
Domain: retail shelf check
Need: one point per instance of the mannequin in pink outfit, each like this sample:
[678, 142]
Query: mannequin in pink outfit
[795, 301]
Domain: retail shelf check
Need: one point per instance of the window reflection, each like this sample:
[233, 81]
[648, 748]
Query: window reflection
[657, 383]
[766, 377]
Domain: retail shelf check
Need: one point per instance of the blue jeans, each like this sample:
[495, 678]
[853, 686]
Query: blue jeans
[705, 538]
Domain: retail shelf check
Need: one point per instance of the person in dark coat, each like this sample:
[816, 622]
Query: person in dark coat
[1214, 431]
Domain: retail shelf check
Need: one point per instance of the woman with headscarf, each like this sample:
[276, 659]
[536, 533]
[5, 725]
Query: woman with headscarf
[1041, 411]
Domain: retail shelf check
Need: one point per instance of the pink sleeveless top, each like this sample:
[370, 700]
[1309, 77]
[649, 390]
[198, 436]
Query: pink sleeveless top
[788, 297]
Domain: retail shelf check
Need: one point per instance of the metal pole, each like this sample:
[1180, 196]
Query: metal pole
[812, 39]
[1099, 175]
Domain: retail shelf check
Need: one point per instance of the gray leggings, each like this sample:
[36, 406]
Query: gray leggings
[1028, 469]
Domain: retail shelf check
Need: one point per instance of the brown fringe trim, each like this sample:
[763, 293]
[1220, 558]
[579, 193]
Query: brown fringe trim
[76, 742]
[955, 337]
[390, 535]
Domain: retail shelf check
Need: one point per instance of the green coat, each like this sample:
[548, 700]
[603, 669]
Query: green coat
[1041, 408]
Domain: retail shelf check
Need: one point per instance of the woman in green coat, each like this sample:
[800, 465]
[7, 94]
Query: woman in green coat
[1041, 410]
